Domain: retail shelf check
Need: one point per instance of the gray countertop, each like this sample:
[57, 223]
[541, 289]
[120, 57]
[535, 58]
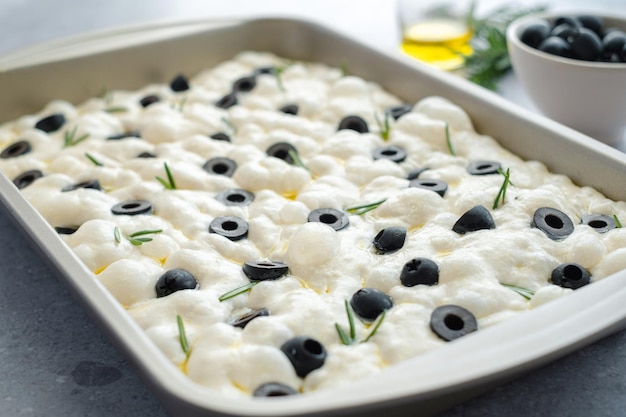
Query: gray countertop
[54, 361]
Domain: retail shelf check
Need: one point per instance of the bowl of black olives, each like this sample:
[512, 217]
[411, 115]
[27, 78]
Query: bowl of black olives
[573, 68]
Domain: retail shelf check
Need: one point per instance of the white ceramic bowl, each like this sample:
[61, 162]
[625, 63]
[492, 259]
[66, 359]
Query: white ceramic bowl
[587, 96]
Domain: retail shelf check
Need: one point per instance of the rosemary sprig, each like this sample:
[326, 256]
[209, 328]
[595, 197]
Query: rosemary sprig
[297, 161]
[376, 326]
[618, 224]
[364, 208]
[229, 124]
[449, 141]
[237, 291]
[344, 69]
[169, 183]
[180, 105]
[182, 336]
[118, 109]
[524, 292]
[137, 238]
[501, 196]
[489, 60]
[93, 160]
[350, 338]
[384, 128]
[70, 139]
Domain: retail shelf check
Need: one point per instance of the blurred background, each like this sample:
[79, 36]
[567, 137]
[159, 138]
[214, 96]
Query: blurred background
[55, 362]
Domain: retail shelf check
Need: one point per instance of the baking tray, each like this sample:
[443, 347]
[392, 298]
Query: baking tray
[78, 68]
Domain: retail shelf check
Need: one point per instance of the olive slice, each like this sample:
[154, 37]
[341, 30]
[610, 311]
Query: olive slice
[243, 320]
[450, 322]
[476, 218]
[227, 101]
[290, 109]
[398, 111]
[132, 207]
[438, 186]
[334, 218]
[220, 166]
[27, 178]
[179, 83]
[124, 135]
[554, 223]
[570, 275]
[93, 184]
[149, 99]
[356, 123]
[235, 197]
[264, 270]
[282, 150]
[51, 123]
[244, 84]
[393, 153]
[18, 148]
[419, 271]
[66, 230]
[273, 389]
[415, 173]
[484, 167]
[231, 227]
[601, 223]
[390, 239]
[305, 354]
[220, 136]
[175, 280]
[369, 303]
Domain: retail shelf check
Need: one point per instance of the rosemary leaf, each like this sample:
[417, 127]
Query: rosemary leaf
[364, 208]
[345, 339]
[524, 292]
[350, 320]
[182, 336]
[449, 141]
[93, 160]
[70, 139]
[237, 291]
[116, 109]
[618, 224]
[146, 232]
[297, 161]
[169, 183]
[384, 128]
[116, 234]
[376, 326]
[501, 196]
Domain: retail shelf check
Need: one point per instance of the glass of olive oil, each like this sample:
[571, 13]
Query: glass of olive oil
[436, 33]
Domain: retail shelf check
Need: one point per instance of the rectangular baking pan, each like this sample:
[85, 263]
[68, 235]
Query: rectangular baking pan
[78, 68]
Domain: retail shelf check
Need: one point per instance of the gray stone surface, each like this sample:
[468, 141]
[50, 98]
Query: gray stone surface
[55, 362]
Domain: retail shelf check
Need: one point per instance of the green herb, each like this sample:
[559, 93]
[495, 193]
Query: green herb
[618, 224]
[137, 238]
[116, 109]
[489, 60]
[229, 124]
[344, 69]
[524, 292]
[70, 139]
[364, 208]
[501, 196]
[182, 336]
[350, 338]
[296, 159]
[278, 72]
[106, 95]
[449, 141]
[237, 291]
[169, 183]
[93, 160]
[180, 105]
[383, 126]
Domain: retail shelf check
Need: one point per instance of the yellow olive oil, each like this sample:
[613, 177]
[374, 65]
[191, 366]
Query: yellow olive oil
[438, 42]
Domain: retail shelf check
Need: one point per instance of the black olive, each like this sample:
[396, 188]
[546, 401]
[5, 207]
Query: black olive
[614, 42]
[132, 207]
[586, 45]
[273, 389]
[235, 197]
[570, 275]
[290, 109]
[227, 101]
[264, 270]
[450, 322]
[18, 148]
[438, 186]
[179, 83]
[483, 167]
[305, 354]
[593, 23]
[220, 166]
[564, 31]
[419, 271]
[27, 178]
[243, 320]
[334, 218]
[414, 173]
[124, 135]
[369, 303]
[555, 45]
[393, 153]
[220, 136]
[398, 111]
[244, 85]
[146, 155]
[535, 33]
[51, 123]
[567, 20]
[93, 184]
[355, 123]
[175, 280]
[66, 230]
[476, 218]
[599, 222]
[148, 100]
[265, 70]
[231, 227]
[282, 150]
[390, 239]
[554, 223]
